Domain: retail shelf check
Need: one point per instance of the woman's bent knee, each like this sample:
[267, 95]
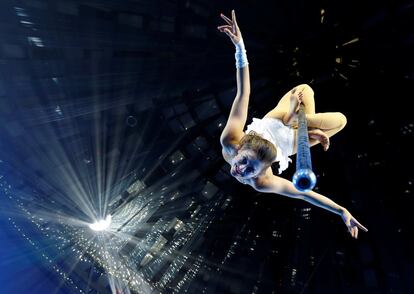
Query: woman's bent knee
[306, 88]
[342, 120]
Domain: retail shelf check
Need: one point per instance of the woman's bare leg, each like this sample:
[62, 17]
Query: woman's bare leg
[324, 125]
[321, 126]
[284, 103]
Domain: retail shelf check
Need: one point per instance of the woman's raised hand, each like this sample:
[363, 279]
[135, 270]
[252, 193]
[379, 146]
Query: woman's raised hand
[231, 28]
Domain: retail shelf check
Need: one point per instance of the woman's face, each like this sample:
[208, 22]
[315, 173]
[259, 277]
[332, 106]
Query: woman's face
[246, 165]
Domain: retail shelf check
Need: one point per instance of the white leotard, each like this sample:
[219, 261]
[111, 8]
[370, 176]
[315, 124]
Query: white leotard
[280, 135]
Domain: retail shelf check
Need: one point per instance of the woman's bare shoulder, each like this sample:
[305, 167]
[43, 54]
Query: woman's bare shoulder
[229, 151]
[259, 182]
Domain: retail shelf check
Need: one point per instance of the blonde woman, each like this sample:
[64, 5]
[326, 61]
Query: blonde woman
[272, 139]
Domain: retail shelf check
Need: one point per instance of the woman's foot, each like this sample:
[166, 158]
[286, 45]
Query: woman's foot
[320, 136]
[296, 99]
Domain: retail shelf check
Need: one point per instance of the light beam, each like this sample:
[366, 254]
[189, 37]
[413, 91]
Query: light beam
[101, 225]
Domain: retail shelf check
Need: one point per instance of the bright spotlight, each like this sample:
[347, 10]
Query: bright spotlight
[101, 225]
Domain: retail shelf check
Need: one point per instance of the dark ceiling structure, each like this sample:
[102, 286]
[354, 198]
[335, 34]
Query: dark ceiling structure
[116, 108]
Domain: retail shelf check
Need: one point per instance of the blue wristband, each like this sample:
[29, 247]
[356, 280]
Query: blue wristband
[240, 55]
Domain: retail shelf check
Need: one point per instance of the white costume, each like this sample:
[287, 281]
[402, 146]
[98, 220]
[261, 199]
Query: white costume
[280, 135]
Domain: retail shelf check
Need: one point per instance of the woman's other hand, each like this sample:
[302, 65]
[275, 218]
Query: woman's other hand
[352, 224]
[231, 28]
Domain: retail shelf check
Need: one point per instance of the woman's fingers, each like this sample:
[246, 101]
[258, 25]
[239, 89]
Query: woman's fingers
[230, 34]
[353, 226]
[233, 16]
[362, 227]
[354, 232]
[232, 22]
[359, 225]
[221, 28]
[228, 20]
[231, 29]
[227, 30]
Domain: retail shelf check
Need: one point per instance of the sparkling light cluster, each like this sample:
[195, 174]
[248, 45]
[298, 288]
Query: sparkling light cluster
[152, 263]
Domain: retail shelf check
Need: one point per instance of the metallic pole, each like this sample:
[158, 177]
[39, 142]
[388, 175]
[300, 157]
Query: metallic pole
[304, 179]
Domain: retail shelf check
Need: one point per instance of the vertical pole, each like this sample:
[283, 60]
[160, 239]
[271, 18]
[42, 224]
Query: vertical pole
[304, 179]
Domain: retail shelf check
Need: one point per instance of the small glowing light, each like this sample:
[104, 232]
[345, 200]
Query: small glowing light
[35, 41]
[351, 41]
[343, 76]
[101, 225]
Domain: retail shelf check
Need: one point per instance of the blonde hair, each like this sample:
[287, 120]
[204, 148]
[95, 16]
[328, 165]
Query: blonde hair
[264, 149]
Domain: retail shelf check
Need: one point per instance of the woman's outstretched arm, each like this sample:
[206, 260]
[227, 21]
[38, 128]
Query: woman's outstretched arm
[278, 185]
[233, 130]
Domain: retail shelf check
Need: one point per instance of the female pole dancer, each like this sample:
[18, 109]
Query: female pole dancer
[272, 138]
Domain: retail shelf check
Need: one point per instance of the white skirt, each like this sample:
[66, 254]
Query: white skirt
[280, 135]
